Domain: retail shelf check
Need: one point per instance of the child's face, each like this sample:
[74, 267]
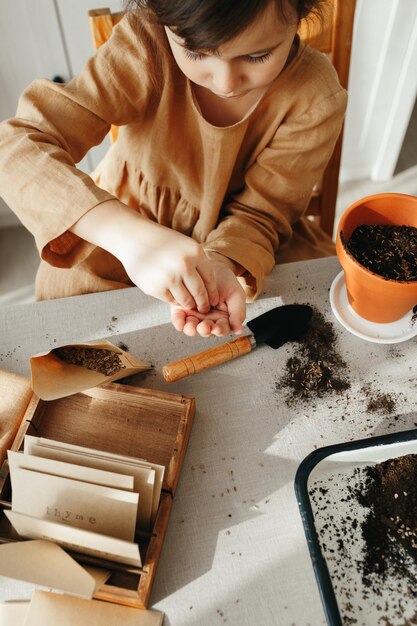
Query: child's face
[248, 62]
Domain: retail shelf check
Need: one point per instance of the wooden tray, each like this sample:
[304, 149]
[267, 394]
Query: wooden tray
[147, 424]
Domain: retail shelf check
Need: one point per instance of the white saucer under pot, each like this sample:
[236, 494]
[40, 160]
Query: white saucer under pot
[393, 332]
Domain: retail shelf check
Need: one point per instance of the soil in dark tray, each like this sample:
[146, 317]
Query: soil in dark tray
[390, 529]
[389, 251]
[366, 520]
[317, 367]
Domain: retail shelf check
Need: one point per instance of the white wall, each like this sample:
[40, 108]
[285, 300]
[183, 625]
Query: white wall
[43, 39]
[30, 47]
[382, 87]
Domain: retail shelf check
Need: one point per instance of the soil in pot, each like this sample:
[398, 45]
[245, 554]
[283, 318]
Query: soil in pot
[389, 251]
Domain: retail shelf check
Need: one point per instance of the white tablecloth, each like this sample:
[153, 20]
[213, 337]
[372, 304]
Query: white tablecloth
[235, 550]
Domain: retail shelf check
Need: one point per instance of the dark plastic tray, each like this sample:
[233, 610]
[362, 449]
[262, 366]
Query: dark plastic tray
[335, 460]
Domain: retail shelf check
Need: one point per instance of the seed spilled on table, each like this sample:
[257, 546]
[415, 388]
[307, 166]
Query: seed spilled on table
[100, 360]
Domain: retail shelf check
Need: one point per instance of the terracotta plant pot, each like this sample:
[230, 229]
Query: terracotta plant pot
[374, 297]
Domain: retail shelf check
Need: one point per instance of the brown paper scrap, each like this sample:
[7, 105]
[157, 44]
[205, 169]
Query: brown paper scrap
[46, 564]
[50, 609]
[15, 394]
[13, 613]
[53, 377]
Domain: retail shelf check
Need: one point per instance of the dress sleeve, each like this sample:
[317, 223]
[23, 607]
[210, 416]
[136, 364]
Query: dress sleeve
[277, 190]
[54, 127]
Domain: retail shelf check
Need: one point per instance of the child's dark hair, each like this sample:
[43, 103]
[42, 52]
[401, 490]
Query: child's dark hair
[207, 24]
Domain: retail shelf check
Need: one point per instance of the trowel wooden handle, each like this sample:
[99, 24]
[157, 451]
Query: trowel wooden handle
[208, 358]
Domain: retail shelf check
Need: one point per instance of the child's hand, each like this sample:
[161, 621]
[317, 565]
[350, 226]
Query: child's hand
[227, 317]
[171, 267]
[205, 295]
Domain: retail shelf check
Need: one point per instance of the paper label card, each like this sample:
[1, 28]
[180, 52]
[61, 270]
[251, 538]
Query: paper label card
[69, 470]
[86, 500]
[147, 476]
[76, 539]
[74, 503]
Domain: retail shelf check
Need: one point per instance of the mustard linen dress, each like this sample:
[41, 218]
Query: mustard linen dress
[240, 190]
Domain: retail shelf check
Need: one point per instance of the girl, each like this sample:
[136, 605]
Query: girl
[226, 121]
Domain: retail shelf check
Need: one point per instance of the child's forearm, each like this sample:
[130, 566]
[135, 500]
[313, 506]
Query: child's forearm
[160, 261]
[106, 225]
[169, 266]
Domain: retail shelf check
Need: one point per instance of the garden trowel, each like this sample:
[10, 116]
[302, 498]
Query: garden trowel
[275, 327]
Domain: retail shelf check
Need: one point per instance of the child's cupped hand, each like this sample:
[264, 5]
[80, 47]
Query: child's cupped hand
[205, 296]
[225, 318]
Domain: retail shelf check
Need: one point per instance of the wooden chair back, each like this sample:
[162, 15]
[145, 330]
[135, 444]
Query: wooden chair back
[331, 35]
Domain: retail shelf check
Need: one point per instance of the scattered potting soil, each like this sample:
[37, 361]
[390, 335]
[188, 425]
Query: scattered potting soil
[378, 401]
[98, 359]
[317, 367]
[389, 251]
[366, 520]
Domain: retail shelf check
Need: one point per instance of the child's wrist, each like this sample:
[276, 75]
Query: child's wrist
[213, 255]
